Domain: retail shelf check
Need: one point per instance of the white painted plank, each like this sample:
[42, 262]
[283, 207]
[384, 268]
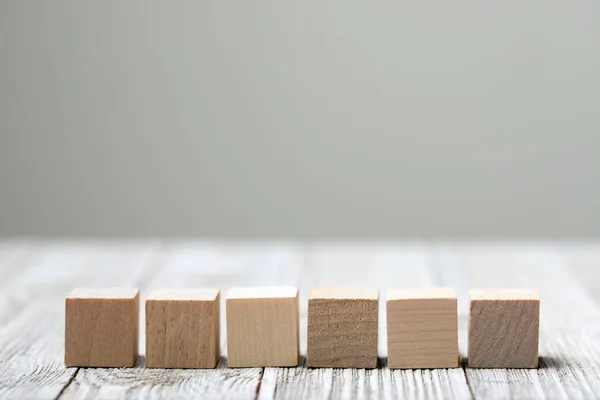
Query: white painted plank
[197, 265]
[569, 321]
[583, 260]
[147, 383]
[11, 251]
[383, 266]
[32, 334]
[31, 316]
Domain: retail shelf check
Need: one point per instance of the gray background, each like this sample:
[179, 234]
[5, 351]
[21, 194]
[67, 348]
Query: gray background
[310, 119]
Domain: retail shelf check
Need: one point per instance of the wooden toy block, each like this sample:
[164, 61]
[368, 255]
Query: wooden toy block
[101, 327]
[182, 328]
[422, 328]
[342, 327]
[504, 328]
[262, 327]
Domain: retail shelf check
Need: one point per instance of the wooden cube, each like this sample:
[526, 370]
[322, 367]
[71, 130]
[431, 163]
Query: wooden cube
[422, 328]
[262, 327]
[342, 327]
[182, 328]
[101, 327]
[504, 328]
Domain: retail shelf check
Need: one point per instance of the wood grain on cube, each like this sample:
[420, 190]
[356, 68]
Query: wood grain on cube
[182, 328]
[342, 327]
[504, 328]
[101, 327]
[422, 328]
[262, 327]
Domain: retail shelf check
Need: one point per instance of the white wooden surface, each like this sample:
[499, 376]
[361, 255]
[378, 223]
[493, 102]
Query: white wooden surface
[35, 276]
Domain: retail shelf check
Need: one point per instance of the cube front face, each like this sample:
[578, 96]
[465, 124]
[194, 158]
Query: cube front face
[262, 332]
[422, 333]
[342, 333]
[101, 332]
[504, 333]
[182, 333]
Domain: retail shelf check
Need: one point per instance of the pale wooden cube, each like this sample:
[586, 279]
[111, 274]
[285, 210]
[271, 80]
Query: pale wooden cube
[182, 328]
[422, 328]
[101, 327]
[504, 328]
[262, 327]
[342, 327]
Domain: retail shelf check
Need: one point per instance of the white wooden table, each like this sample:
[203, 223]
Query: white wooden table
[35, 276]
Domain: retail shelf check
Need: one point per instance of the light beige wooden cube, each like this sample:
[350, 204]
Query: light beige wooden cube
[182, 328]
[262, 327]
[422, 328]
[101, 327]
[342, 327]
[504, 328]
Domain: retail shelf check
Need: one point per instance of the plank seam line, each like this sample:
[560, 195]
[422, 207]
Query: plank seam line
[68, 384]
[463, 365]
[257, 393]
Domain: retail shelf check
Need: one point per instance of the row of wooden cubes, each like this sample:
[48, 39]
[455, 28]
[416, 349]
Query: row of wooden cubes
[182, 328]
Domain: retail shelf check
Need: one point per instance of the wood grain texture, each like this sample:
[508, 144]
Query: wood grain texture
[182, 328]
[101, 327]
[376, 265]
[504, 328]
[422, 328]
[262, 327]
[569, 361]
[32, 333]
[15, 259]
[190, 265]
[154, 383]
[342, 327]
[40, 274]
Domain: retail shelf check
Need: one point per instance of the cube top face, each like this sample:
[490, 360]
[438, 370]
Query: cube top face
[504, 294]
[266, 292]
[422, 331]
[182, 328]
[104, 293]
[200, 294]
[101, 331]
[344, 293]
[342, 328]
[262, 327]
[421, 293]
[504, 330]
